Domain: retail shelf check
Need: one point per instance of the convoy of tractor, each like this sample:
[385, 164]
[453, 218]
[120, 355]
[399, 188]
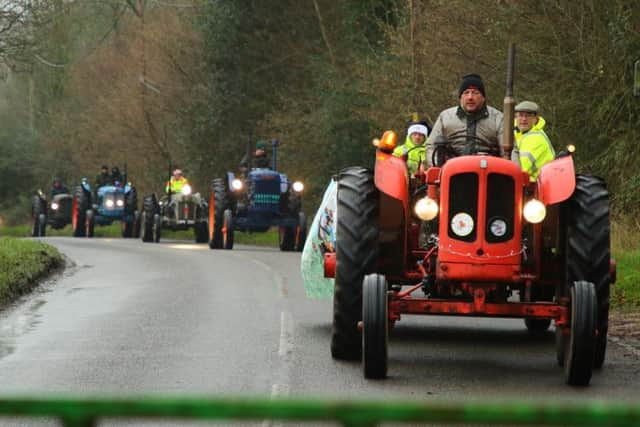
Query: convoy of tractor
[468, 236]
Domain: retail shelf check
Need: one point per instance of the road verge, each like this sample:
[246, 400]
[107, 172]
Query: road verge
[23, 263]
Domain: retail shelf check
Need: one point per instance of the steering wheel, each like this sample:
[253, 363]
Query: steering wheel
[474, 145]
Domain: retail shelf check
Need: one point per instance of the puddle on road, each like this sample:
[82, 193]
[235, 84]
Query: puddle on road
[17, 320]
[16, 324]
[23, 316]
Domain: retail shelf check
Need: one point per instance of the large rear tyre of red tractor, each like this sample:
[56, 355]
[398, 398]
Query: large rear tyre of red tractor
[580, 345]
[356, 256]
[375, 322]
[588, 249]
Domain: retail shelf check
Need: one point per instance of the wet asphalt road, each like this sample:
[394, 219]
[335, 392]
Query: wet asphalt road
[176, 318]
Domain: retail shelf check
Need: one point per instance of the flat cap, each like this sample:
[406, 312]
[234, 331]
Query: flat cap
[527, 107]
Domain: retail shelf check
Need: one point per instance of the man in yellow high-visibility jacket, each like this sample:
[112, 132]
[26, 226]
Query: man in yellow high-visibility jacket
[531, 141]
[177, 181]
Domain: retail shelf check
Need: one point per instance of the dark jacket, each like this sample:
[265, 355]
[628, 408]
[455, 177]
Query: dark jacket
[102, 180]
[486, 123]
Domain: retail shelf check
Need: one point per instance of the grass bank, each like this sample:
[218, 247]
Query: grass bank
[270, 238]
[22, 263]
[625, 246]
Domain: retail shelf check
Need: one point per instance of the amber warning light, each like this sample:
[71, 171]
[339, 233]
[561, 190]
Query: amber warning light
[388, 141]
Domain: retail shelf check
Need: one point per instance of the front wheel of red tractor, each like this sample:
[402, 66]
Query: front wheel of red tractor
[375, 326]
[580, 345]
[356, 255]
[588, 249]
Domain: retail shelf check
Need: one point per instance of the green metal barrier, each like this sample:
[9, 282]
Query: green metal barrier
[87, 412]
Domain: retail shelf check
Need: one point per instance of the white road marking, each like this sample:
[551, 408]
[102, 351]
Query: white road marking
[286, 334]
[280, 388]
[282, 288]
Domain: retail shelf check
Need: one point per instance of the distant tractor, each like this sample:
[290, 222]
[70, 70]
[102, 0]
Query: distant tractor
[491, 236]
[256, 201]
[56, 213]
[175, 211]
[105, 205]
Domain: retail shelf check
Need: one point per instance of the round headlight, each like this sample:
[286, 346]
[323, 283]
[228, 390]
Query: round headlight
[55, 206]
[498, 227]
[462, 224]
[186, 189]
[236, 184]
[120, 203]
[298, 186]
[109, 203]
[426, 209]
[534, 211]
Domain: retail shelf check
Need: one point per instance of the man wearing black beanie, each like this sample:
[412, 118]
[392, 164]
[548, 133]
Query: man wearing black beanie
[471, 81]
[471, 126]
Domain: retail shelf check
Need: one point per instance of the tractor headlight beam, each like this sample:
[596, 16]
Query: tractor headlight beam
[534, 211]
[298, 187]
[236, 185]
[426, 209]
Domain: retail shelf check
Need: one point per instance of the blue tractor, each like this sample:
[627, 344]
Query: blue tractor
[104, 206]
[254, 201]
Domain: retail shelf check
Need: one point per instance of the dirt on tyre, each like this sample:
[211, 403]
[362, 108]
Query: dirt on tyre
[356, 256]
[588, 253]
[375, 324]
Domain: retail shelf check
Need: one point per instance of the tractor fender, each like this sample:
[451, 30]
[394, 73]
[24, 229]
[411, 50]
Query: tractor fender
[556, 181]
[391, 177]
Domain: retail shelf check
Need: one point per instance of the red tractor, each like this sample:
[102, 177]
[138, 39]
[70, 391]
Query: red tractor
[471, 236]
